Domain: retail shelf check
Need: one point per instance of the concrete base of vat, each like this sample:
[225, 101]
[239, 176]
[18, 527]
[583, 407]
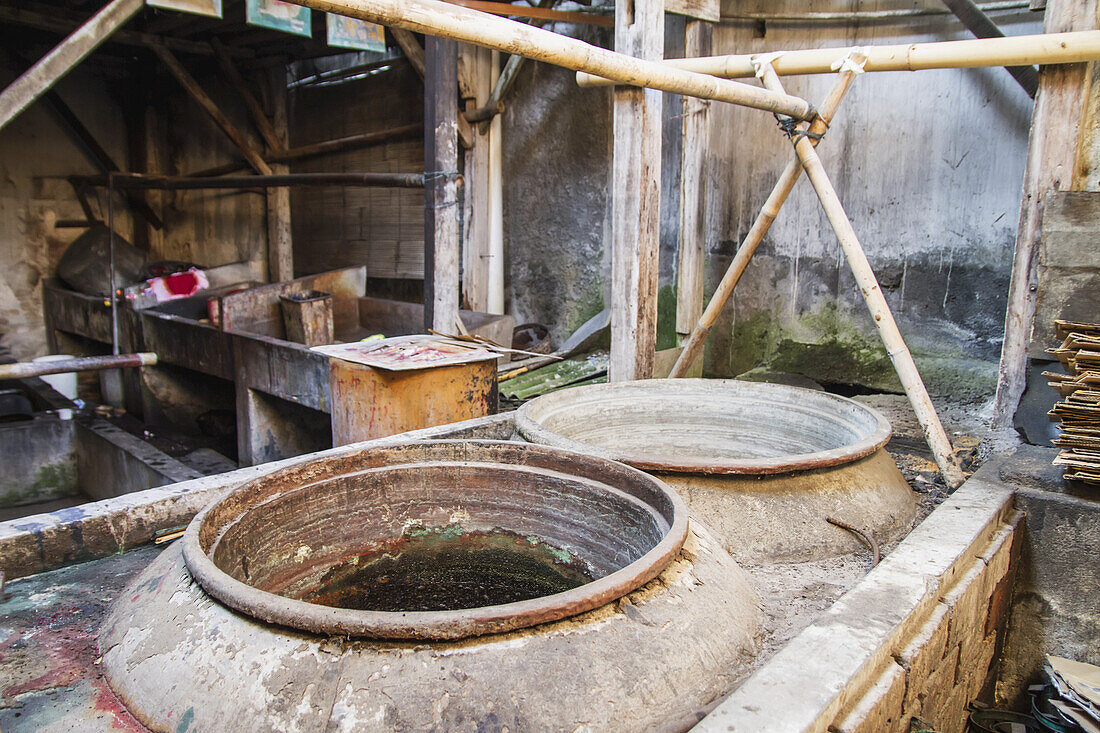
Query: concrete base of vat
[781, 517]
[655, 658]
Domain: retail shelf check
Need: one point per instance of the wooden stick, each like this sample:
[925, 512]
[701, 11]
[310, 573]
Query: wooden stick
[236, 136]
[1043, 48]
[434, 17]
[35, 81]
[876, 302]
[760, 226]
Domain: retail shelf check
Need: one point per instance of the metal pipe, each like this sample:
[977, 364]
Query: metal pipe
[481, 29]
[1042, 48]
[27, 369]
[366, 180]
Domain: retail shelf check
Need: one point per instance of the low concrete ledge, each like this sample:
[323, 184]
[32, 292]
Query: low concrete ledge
[44, 542]
[839, 672]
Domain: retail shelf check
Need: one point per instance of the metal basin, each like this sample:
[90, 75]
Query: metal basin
[435, 540]
[762, 464]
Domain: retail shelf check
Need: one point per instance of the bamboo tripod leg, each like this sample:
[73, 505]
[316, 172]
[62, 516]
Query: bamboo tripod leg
[759, 229]
[876, 303]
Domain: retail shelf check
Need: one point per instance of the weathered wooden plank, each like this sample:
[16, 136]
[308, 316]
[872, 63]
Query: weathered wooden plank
[280, 252]
[441, 243]
[475, 67]
[414, 52]
[189, 83]
[695, 128]
[636, 198]
[699, 9]
[1056, 126]
[36, 80]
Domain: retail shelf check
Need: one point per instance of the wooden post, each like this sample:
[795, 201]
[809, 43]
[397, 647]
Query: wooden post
[236, 136]
[280, 252]
[441, 246]
[695, 128]
[415, 55]
[64, 57]
[896, 348]
[475, 247]
[635, 197]
[1051, 158]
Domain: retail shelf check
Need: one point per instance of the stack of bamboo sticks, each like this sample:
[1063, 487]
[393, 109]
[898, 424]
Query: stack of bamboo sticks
[1079, 411]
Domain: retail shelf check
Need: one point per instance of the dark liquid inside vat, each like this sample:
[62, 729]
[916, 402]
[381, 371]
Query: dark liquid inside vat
[434, 570]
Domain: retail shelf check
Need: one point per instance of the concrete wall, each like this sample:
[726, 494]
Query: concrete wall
[929, 166]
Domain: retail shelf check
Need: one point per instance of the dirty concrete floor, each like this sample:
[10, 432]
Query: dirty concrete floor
[48, 649]
[48, 623]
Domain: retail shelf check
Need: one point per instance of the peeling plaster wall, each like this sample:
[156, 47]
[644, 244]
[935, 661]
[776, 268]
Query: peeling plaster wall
[929, 166]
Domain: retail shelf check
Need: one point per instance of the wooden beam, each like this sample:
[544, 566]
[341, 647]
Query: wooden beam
[441, 243]
[414, 52]
[980, 24]
[520, 11]
[698, 9]
[445, 20]
[275, 142]
[280, 253]
[236, 136]
[64, 23]
[635, 197]
[695, 130]
[38, 79]
[324, 147]
[1056, 127]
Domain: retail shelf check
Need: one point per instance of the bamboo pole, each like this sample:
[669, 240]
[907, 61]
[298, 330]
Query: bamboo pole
[481, 29]
[906, 368]
[38, 79]
[1042, 48]
[776, 199]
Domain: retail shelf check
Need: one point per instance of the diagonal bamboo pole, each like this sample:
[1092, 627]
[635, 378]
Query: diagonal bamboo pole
[763, 222]
[876, 301]
[445, 20]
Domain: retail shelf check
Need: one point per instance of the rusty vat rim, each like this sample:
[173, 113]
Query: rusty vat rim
[530, 428]
[437, 625]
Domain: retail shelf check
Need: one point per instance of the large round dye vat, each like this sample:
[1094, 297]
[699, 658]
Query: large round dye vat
[457, 585]
[762, 464]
